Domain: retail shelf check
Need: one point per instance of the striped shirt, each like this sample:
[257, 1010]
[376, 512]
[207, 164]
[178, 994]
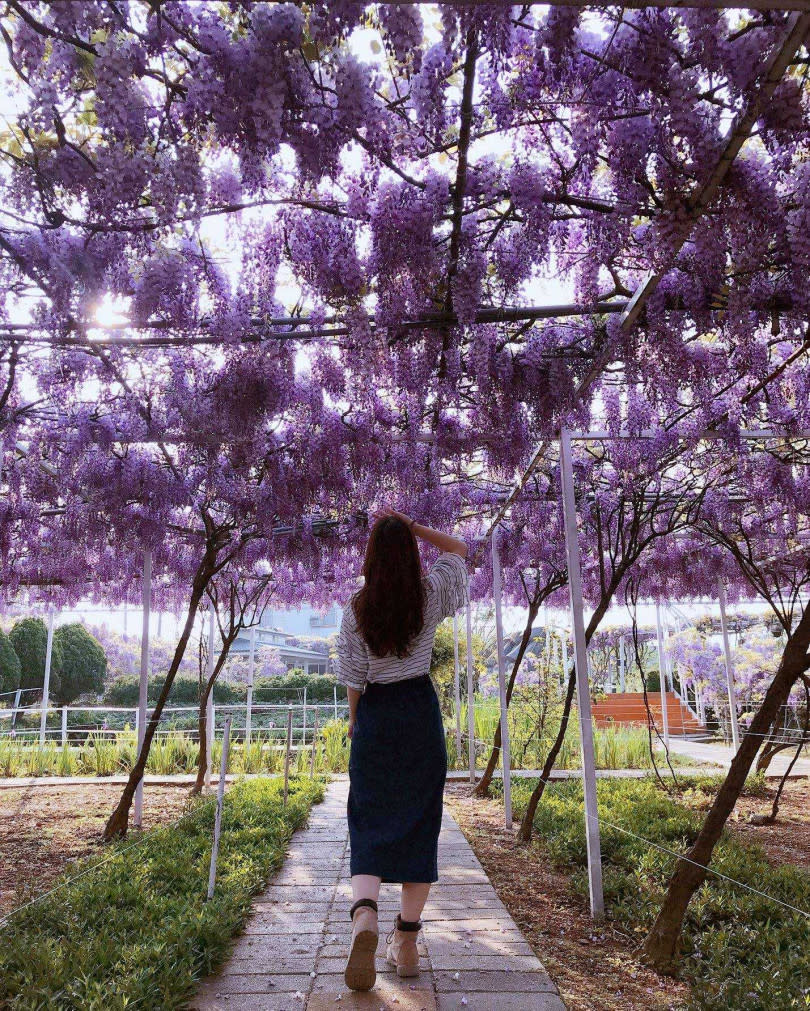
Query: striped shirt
[445, 592]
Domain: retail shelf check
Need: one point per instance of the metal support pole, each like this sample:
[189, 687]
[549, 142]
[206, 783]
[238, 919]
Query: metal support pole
[622, 664]
[470, 696]
[143, 682]
[304, 721]
[287, 755]
[223, 770]
[251, 678]
[457, 687]
[314, 742]
[564, 671]
[209, 706]
[14, 711]
[546, 641]
[662, 673]
[64, 725]
[505, 757]
[732, 695]
[46, 685]
[334, 690]
[581, 669]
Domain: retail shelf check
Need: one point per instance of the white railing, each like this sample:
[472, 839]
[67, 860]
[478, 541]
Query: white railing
[309, 712]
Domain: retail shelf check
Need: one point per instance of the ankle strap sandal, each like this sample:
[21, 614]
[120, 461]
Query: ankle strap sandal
[370, 903]
[408, 925]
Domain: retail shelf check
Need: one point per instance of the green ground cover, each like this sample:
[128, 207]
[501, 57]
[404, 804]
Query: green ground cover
[740, 950]
[136, 932]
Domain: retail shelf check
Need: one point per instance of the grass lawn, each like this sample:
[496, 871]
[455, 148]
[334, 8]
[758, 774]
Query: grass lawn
[136, 932]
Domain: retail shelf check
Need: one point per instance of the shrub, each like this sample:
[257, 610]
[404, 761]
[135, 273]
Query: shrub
[29, 637]
[442, 663]
[9, 665]
[124, 691]
[83, 663]
[230, 693]
[290, 688]
[185, 690]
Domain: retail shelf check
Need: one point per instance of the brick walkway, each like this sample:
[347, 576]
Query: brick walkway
[293, 950]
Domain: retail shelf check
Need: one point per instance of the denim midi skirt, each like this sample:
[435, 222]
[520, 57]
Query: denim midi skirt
[397, 770]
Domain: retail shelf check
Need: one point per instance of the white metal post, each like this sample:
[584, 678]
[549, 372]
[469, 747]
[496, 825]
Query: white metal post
[457, 688]
[564, 647]
[732, 695]
[334, 692]
[46, 684]
[505, 757]
[470, 696]
[223, 769]
[546, 641]
[581, 669]
[209, 706]
[143, 683]
[287, 755]
[304, 721]
[17, 695]
[662, 673]
[622, 662]
[251, 678]
[64, 725]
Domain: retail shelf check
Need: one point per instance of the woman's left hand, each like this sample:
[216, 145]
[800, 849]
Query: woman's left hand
[350, 731]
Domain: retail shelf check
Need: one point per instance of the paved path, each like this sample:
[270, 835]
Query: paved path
[293, 950]
[722, 754]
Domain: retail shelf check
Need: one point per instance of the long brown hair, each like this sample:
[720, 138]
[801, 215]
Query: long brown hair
[390, 606]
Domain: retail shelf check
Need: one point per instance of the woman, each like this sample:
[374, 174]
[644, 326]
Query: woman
[398, 760]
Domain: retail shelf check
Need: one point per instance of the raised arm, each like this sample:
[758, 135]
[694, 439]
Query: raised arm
[444, 542]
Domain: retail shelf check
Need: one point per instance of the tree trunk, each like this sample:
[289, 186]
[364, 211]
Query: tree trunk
[661, 944]
[771, 747]
[202, 721]
[116, 827]
[202, 753]
[482, 787]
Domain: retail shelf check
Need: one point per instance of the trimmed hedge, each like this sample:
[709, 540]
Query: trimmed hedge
[9, 665]
[186, 690]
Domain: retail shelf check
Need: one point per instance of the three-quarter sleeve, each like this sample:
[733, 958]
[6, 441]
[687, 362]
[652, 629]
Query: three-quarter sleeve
[448, 577]
[352, 660]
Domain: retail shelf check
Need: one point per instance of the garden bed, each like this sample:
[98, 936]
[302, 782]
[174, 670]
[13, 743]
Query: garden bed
[136, 929]
[740, 950]
[44, 829]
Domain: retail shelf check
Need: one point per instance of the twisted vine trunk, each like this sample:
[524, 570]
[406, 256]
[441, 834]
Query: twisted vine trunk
[202, 719]
[661, 944]
[116, 827]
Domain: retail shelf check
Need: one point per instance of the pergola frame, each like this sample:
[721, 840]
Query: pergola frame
[631, 312]
[574, 558]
